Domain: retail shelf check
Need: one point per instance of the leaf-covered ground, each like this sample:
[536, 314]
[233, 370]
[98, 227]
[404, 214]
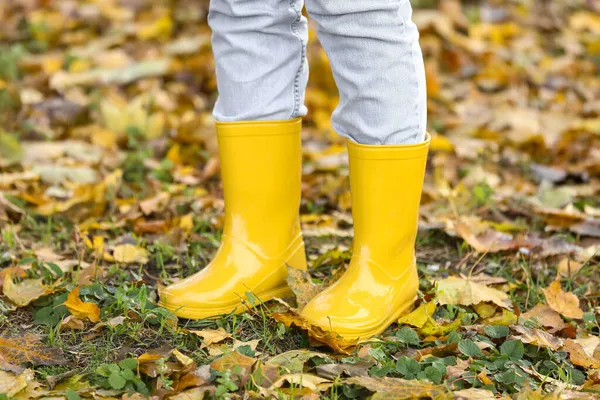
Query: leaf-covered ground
[109, 188]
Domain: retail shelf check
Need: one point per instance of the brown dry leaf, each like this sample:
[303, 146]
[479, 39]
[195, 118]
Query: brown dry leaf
[212, 336]
[302, 285]
[583, 352]
[538, 338]
[566, 304]
[72, 322]
[490, 240]
[330, 339]
[80, 309]
[24, 292]
[130, 254]
[154, 204]
[458, 291]
[396, 388]
[28, 349]
[239, 364]
[546, 316]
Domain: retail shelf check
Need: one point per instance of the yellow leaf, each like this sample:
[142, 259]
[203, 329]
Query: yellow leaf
[583, 352]
[420, 316]
[397, 388]
[458, 291]
[82, 309]
[182, 358]
[11, 384]
[564, 303]
[310, 381]
[485, 310]
[24, 292]
[159, 29]
[212, 336]
[441, 143]
[130, 254]
[506, 319]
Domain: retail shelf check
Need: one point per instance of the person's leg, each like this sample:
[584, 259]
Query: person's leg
[260, 55]
[373, 48]
[261, 76]
[376, 60]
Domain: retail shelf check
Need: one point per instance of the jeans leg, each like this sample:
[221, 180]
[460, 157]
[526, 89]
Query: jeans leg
[260, 55]
[373, 47]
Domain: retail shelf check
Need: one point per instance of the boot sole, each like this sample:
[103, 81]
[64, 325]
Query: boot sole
[216, 312]
[367, 334]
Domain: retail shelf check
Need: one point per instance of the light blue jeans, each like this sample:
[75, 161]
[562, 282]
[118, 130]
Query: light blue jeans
[374, 52]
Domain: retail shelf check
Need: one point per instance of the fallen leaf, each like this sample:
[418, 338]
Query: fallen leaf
[396, 388]
[154, 204]
[63, 80]
[11, 384]
[239, 364]
[80, 309]
[72, 322]
[473, 394]
[332, 371]
[491, 241]
[582, 352]
[212, 336]
[419, 316]
[546, 316]
[566, 304]
[302, 285]
[130, 254]
[328, 338]
[538, 338]
[24, 292]
[293, 361]
[457, 291]
[28, 349]
[310, 381]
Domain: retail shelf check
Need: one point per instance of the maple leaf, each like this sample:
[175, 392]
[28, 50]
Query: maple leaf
[458, 291]
[212, 336]
[28, 349]
[80, 309]
[564, 303]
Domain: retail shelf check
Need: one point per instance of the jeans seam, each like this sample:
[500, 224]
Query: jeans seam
[418, 84]
[296, 107]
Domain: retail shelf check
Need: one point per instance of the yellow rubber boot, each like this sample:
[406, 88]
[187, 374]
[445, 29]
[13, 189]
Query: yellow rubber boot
[381, 281]
[261, 172]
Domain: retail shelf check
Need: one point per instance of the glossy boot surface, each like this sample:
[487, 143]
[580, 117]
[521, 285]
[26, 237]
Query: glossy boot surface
[261, 172]
[381, 281]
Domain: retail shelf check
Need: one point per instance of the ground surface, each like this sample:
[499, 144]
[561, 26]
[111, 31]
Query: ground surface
[109, 187]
